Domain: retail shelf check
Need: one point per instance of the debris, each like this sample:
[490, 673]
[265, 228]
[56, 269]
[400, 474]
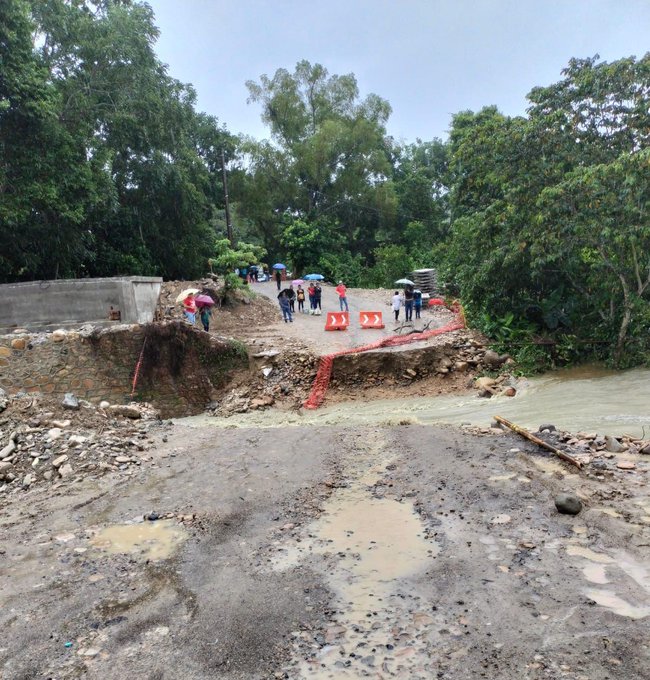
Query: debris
[531, 437]
[568, 504]
[70, 402]
[613, 445]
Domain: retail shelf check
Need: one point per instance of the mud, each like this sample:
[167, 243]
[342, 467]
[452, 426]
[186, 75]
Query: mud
[326, 551]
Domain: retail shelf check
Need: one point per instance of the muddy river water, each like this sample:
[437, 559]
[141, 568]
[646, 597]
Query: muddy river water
[578, 399]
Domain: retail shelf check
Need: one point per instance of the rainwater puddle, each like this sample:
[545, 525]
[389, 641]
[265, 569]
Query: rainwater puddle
[586, 398]
[149, 540]
[588, 554]
[595, 573]
[374, 546]
[617, 604]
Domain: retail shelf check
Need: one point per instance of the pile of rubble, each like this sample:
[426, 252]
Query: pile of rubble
[277, 379]
[49, 442]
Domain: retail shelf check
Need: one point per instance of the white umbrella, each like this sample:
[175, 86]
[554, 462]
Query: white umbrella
[404, 282]
[185, 293]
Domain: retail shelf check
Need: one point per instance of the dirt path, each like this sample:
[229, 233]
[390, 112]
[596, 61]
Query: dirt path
[328, 552]
[311, 329]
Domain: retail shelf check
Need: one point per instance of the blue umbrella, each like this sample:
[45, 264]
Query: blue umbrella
[279, 265]
[314, 277]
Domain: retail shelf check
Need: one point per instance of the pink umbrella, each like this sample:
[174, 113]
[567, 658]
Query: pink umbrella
[297, 282]
[204, 301]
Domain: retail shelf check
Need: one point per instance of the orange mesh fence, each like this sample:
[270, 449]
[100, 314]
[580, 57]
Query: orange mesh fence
[324, 373]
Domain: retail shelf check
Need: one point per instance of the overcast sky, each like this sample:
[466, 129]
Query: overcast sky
[428, 58]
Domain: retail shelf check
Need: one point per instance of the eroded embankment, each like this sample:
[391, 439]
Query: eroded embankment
[175, 367]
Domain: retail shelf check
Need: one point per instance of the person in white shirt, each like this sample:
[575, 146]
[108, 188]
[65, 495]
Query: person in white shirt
[397, 304]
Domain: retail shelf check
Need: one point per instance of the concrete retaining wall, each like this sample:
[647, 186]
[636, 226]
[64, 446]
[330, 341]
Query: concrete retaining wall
[64, 302]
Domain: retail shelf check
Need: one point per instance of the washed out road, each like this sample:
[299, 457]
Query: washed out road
[398, 551]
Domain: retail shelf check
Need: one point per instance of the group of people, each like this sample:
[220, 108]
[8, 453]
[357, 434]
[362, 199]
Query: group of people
[191, 309]
[288, 297]
[412, 299]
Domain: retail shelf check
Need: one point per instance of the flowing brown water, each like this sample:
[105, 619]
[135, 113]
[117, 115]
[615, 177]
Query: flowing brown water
[586, 398]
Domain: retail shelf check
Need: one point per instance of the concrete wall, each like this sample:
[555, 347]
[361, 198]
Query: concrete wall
[39, 304]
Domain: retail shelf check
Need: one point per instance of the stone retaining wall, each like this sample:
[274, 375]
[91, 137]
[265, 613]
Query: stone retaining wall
[180, 372]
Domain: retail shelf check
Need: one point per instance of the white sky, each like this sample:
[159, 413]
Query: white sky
[428, 58]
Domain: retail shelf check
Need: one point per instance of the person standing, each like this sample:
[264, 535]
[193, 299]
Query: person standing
[317, 298]
[300, 296]
[397, 304]
[205, 312]
[278, 278]
[343, 300]
[408, 303]
[189, 307]
[417, 302]
[291, 294]
[283, 299]
[311, 292]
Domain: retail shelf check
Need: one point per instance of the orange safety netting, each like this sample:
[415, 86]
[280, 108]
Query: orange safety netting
[324, 373]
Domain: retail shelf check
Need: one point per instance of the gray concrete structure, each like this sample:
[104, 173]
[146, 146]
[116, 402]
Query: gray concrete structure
[64, 302]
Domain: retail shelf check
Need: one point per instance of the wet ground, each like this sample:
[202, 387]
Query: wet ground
[327, 551]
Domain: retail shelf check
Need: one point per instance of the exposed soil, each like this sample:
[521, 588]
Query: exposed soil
[340, 551]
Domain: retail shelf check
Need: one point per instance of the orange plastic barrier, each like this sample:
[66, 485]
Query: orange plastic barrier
[436, 302]
[324, 373]
[337, 321]
[371, 320]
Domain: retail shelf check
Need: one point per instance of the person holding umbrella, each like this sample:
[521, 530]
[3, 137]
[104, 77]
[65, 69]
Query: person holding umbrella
[189, 308]
[278, 267]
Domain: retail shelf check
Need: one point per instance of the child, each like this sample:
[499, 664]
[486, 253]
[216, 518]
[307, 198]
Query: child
[417, 302]
[300, 296]
[397, 303]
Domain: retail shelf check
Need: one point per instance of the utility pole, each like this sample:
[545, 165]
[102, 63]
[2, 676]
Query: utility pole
[225, 195]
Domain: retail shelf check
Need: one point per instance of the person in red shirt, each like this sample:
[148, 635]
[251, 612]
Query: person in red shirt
[343, 300]
[189, 307]
[311, 292]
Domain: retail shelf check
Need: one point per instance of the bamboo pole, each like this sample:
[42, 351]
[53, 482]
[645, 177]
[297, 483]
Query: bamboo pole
[540, 442]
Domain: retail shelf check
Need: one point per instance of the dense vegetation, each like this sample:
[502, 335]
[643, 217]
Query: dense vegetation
[539, 222]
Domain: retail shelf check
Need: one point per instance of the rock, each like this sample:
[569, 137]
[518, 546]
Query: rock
[104, 404]
[492, 359]
[568, 504]
[501, 519]
[5, 468]
[18, 343]
[54, 433]
[152, 516]
[626, 465]
[461, 366]
[59, 335]
[411, 373]
[9, 449]
[613, 445]
[645, 449]
[122, 459]
[484, 382]
[27, 480]
[62, 424]
[509, 392]
[70, 402]
[65, 470]
[4, 400]
[485, 394]
[58, 462]
[548, 427]
[126, 411]
[77, 439]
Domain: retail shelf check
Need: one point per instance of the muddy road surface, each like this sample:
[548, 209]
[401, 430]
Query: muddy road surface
[396, 551]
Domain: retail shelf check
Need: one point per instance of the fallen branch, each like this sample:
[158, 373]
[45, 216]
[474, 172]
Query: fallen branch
[540, 442]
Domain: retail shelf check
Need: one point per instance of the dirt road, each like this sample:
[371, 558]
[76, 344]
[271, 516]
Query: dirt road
[311, 329]
[328, 552]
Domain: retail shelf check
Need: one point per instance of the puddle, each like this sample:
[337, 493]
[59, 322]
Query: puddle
[616, 604]
[595, 573]
[149, 540]
[372, 546]
[588, 554]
